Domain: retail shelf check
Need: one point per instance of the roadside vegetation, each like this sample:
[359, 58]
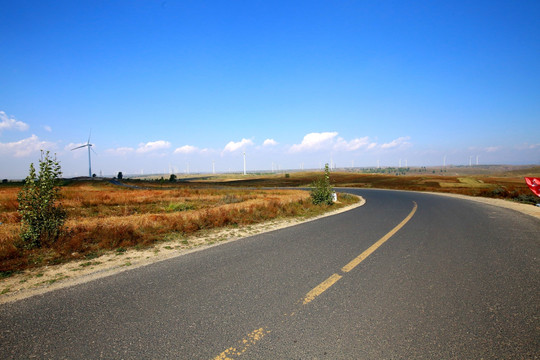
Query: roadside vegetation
[321, 189]
[101, 216]
[42, 215]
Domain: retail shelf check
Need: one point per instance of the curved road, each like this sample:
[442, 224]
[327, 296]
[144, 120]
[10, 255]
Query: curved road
[447, 279]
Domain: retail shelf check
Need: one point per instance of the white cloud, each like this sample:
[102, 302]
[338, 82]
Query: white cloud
[47, 128]
[153, 146]
[399, 142]
[25, 147]
[491, 149]
[186, 149]
[527, 146]
[270, 142]
[121, 151]
[314, 141]
[331, 141]
[233, 146]
[352, 145]
[9, 123]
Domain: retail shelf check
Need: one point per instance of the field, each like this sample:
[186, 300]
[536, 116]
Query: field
[504, 182]
[103, 216]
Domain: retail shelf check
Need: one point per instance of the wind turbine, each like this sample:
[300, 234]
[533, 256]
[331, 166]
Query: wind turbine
[89, 160]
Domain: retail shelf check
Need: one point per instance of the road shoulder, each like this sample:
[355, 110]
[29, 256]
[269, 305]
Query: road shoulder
[523, 208]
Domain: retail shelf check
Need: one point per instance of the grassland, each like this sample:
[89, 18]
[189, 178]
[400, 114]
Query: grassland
[103, 216]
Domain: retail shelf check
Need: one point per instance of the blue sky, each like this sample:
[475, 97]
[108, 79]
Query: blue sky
[164, 84]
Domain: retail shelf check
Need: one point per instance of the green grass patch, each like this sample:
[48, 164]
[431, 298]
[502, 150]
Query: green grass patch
[89, 263]
[6, 274]
[182, 206]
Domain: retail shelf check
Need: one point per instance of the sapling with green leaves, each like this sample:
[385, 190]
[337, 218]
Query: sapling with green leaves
[321, 189]
[42, 214]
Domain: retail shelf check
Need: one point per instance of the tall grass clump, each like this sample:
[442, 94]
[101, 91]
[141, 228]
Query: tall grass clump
[42, 216]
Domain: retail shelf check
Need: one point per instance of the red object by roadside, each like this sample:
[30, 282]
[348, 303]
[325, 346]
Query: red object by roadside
[534, 185]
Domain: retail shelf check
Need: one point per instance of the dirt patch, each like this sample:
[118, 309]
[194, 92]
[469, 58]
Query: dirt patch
[39, 281]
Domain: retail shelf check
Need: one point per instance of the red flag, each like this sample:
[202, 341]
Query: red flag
[534, 185]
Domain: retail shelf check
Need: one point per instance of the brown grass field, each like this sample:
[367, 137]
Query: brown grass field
[103, 216]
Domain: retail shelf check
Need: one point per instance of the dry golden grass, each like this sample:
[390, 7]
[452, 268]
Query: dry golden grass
[102, 216]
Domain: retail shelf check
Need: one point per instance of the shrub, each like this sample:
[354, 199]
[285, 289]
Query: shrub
[42, 217]
[527, 199]
[321, 191]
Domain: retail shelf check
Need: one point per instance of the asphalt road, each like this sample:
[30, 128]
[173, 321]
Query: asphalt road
[458, 280]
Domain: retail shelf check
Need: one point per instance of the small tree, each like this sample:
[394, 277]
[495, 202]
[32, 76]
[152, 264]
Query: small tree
[42, 217]
[321, 190]
[172, 178]
[120, 175]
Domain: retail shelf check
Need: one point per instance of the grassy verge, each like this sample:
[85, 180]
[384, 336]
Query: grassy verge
[104, 217]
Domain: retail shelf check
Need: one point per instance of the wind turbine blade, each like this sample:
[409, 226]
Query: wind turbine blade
[94, 151]
[78, 147]
[90, 134]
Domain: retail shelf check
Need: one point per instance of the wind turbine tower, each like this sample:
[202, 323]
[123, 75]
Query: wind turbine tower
[88, 145]
[244, 163]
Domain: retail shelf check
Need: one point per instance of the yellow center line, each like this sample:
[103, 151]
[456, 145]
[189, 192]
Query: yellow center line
[351, 265]
[256, 335]
[251, 339]
[321, 288]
